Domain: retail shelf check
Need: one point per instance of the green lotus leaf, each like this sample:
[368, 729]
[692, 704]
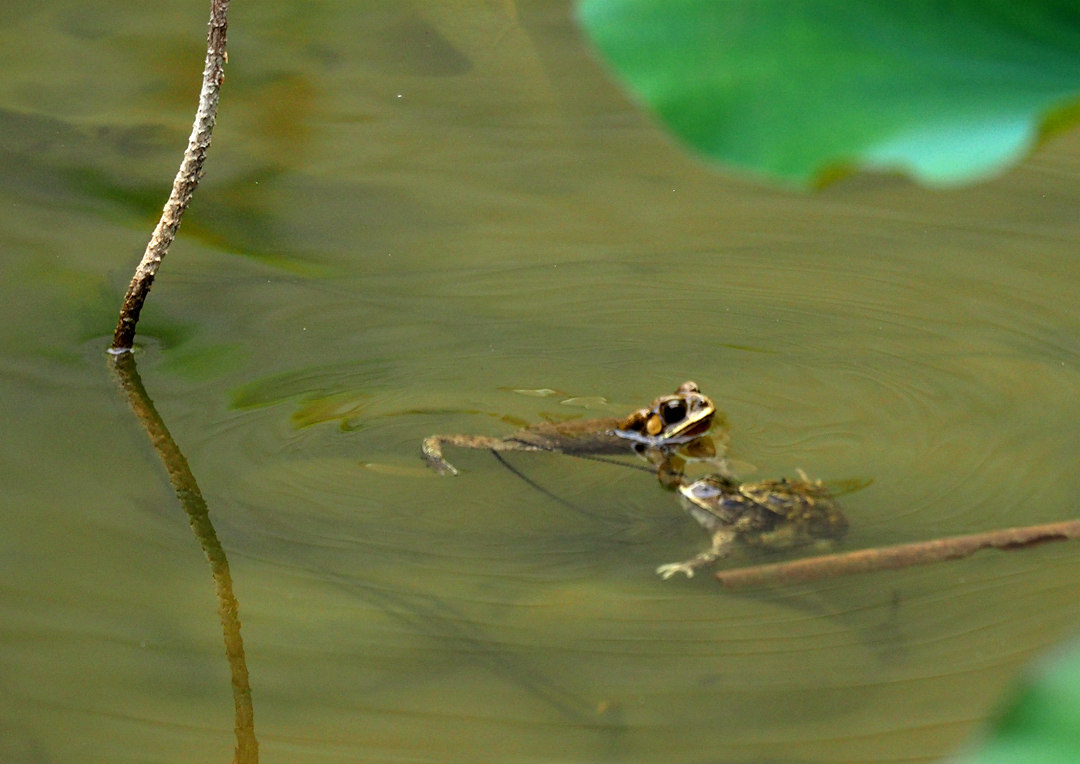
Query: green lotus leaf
[1041, 723]
[949, 91]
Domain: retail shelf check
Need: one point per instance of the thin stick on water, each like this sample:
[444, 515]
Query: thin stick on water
[898, 556]
[187, 179]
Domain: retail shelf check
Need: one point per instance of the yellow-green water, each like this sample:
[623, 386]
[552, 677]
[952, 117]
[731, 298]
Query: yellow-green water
[413, 211]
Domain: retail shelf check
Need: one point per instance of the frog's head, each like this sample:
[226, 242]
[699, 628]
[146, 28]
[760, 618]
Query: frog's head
[714, 501]
[711, 492]
[682, 415]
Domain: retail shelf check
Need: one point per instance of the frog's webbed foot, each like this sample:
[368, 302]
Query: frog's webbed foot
[431, 448]
[721, 547]
[688, 566]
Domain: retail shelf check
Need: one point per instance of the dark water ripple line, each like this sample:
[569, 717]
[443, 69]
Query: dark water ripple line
[762, 646]
[467, 554]
[430, 614]
[521, 637]
[327, 511]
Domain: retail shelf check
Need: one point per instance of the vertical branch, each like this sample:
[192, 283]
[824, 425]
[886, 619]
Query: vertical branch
[183, 481]
[187, 179]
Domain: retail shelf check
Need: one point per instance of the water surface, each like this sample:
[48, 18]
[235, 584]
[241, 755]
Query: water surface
[413, 213]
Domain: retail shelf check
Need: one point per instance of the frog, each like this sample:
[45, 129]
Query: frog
[654, 432]
[772, 514]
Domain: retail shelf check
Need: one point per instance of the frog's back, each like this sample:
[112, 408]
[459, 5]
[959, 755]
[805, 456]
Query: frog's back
[805, 506]
[586, 436]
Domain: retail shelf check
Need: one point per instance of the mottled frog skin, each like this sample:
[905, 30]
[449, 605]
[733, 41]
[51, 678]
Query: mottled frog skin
[670, 421]
[771, 513]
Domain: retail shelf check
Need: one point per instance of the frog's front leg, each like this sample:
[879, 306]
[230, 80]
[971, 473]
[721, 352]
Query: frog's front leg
[432, 448]
[721, 547]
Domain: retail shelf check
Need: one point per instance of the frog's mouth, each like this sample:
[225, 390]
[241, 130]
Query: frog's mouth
[656, 440]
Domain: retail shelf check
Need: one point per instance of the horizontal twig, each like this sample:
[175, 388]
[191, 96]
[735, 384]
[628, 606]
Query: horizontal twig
[898, 556]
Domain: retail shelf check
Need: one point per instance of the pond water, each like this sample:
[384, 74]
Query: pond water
[417, 218]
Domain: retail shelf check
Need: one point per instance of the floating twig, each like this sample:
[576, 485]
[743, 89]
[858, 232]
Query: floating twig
[187, 179]
[898, 556]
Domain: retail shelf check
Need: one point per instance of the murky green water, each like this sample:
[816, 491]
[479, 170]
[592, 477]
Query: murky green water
[412, 211]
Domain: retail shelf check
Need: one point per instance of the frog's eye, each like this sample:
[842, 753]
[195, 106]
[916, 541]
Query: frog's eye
[673, 411]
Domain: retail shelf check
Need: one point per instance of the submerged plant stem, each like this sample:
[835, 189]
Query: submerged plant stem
[187, 179]
[898, 556]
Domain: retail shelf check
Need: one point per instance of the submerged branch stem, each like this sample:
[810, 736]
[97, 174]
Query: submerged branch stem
[898, 556]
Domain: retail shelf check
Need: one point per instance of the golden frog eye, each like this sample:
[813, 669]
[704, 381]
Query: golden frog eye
[673, 411]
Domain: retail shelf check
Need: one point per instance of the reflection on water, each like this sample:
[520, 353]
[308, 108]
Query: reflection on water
[434, 208]
[191, 499]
